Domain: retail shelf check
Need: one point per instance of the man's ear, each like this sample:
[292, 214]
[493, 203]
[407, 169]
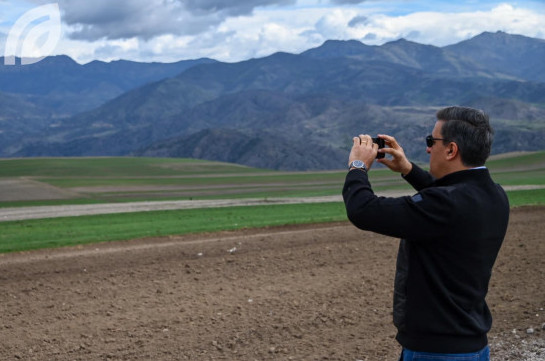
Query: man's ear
[451, 150]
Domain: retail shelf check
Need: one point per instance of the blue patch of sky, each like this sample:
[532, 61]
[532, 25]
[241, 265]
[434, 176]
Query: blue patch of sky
[11, 10]
[404, 7]
[400, 8]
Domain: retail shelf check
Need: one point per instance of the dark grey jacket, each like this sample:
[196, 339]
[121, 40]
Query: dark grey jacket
[451, 231]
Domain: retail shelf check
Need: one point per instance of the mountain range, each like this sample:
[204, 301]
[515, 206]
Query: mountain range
[284, 111]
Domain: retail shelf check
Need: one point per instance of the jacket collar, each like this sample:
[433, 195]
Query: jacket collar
[475, 175]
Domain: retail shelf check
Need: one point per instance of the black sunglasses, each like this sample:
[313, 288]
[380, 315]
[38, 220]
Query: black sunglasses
[430, 140]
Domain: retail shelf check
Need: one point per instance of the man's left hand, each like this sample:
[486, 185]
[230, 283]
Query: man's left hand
[363, 149]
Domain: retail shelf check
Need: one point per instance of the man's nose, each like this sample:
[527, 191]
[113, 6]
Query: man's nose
[428, 150]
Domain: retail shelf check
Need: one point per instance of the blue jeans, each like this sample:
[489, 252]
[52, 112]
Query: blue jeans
[408, 355]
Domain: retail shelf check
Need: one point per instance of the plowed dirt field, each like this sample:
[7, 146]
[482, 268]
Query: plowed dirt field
[314, 292]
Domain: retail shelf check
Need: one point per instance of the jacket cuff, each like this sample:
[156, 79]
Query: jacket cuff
[418, 178]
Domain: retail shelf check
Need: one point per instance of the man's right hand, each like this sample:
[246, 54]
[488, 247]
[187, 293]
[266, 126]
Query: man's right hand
[399, 162]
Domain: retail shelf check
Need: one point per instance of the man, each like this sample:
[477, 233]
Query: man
[451, 231]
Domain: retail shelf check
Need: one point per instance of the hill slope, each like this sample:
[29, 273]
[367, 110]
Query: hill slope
[323, 96]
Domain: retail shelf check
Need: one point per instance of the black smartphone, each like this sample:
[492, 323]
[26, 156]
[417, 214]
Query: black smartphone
[381, 145]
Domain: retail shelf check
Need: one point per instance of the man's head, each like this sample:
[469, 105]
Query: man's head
[465, 140]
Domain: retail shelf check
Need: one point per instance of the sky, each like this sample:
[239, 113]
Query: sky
[236, 30]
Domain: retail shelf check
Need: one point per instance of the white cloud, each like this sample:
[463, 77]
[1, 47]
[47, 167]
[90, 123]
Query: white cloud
[146, 19]
[447, 28]
[238, 30]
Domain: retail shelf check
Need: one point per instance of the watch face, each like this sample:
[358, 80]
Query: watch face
[357, 164]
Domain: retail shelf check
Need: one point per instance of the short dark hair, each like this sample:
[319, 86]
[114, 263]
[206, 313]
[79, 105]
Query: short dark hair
[470, 129]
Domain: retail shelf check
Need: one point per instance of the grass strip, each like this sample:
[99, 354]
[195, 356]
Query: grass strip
[69, 231]
[115, 167]
[526, 197]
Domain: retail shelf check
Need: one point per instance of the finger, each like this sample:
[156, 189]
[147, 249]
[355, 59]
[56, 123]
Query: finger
[366, 138]
[390, 151]
[392, 142]
[375, 147]
[356, 140]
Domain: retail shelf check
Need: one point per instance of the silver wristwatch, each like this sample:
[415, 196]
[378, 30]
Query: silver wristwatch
[358, 164]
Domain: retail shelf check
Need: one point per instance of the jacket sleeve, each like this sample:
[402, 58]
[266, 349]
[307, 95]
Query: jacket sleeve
[422, 217]
[419, 178]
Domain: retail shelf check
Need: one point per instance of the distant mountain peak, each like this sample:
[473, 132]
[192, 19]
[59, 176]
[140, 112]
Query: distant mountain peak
[54, 60]
[343, 42]
[400, 41]
[404, 43]
[491, 39]
[495, 34]
[59, 59]
[338, 48]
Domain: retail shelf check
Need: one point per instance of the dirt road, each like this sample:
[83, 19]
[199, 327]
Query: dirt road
[22, 213]
[37, 212]
[320, 292]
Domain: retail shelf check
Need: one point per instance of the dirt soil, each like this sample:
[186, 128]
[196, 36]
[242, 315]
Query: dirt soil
[320, 292]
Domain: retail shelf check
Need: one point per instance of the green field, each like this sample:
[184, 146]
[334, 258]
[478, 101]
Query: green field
[57, 232]
[98, 180]
[107, 180]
